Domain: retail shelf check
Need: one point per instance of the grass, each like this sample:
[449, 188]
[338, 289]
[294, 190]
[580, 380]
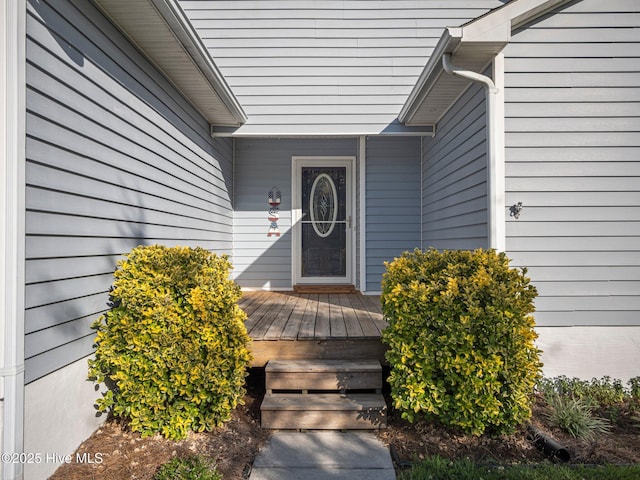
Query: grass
[190, 468]
[438, 468]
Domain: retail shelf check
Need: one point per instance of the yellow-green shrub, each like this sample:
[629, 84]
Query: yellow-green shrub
[460, 339]
[173, 348]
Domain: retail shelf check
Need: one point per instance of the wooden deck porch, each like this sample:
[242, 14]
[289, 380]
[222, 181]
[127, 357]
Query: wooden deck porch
[313, 326]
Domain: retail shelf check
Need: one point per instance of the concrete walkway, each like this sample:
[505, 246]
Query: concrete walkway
[323, 455]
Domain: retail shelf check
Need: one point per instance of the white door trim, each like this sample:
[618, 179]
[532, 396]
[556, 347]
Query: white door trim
[297, 162]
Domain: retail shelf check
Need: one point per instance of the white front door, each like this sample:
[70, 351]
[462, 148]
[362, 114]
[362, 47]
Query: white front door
[323, 220]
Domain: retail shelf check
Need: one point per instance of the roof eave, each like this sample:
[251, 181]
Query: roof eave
[472, 46]
[449, 41]
[156, 26]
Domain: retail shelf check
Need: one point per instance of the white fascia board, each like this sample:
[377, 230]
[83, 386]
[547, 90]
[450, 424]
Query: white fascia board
[181, 27]
[320, 131]
[498, 24]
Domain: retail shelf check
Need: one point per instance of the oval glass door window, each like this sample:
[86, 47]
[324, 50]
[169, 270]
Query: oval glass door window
[323, 208]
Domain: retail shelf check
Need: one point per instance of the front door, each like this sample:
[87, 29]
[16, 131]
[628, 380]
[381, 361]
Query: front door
[323, 221]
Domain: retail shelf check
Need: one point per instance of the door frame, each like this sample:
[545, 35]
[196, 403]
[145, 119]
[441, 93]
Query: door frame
[297, 163]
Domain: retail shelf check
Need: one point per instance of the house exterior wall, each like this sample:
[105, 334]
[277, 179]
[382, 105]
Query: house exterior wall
[115, 158]
[324, 67]
[454, 177]
[262, 262]
[573, 160]
[392, 202]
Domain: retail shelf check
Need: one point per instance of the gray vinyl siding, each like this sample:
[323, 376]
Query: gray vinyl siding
[573, 160]
[454, 177]
[392, 202]
[262, 262]
[324, 66]
[115, 158]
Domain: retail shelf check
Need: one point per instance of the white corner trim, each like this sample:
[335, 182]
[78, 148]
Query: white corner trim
[12, 228]
[362, 226]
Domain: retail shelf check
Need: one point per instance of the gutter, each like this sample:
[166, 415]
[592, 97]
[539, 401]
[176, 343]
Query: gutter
[495, 145]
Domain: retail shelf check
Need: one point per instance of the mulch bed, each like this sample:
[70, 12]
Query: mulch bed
[127, 456]
[413, 442]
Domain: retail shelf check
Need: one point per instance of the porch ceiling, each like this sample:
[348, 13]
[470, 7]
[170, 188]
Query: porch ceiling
[160, 29]
[472, 47]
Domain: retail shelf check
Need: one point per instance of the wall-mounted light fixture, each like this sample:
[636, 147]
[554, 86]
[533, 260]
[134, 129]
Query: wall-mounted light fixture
[515, 210]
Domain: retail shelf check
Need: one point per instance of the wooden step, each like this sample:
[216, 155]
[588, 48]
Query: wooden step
[342, 288]
[324, 411]
[323, 375]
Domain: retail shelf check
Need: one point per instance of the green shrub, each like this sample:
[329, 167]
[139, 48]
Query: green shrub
[189, 468]
[173, 348]
[460, 339]
[575, 416]
[634, 388]
[603, 392]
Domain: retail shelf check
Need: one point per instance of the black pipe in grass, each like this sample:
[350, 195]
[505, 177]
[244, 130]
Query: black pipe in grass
[547, 445]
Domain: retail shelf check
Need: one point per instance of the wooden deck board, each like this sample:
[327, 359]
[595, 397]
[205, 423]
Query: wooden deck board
[313, 326]
[354, 329]
[294, 316]
[308, 320]
[369, 327]
[292, 328]
[338, 327]
[323, 321]
[276, 328]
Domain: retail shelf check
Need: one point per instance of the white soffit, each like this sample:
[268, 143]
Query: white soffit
[472, 47]
[160, 29]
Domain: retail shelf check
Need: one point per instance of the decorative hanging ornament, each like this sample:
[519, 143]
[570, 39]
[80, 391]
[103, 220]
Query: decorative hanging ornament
[274, 197]
[274, 214]
[273, 230]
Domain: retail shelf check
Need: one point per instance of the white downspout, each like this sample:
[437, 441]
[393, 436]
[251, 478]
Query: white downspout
[12, 230]
[495, 145]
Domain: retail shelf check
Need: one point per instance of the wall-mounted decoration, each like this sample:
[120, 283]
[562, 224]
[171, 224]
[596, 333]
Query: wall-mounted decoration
[274, 197]
[515, 210]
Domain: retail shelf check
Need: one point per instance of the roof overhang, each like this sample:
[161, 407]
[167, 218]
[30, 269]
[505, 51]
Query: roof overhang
[161, 30]
[472, 47]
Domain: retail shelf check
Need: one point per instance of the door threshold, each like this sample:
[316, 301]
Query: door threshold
[343, 288]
